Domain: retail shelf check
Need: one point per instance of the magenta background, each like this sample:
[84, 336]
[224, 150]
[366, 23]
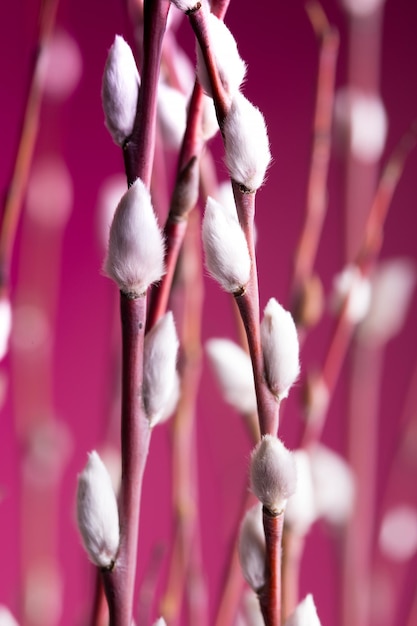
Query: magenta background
[277, 42]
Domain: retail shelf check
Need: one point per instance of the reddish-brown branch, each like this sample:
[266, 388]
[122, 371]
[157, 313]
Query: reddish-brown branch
[135, 438]
[270, 594]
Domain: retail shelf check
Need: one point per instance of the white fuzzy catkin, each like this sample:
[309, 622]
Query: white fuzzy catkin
[159, 367]
[172, 112]
[160, 622]
[393, 281]
[135, 256]
[280, 349]
[305, 614]
[300, 512]
[186, 5]
[273, 473]
[234, 373]
[97, 513]
[363, 118]
[251, 548]
[230, 65]
[246, 143]
[209, 123]
[6, 618]
[351, 284]
[398, 534]
[334, 485]
[362, 8]
[120, 89]
[226, 251]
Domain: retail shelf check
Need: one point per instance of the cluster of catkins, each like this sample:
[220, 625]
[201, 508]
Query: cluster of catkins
[135, 260]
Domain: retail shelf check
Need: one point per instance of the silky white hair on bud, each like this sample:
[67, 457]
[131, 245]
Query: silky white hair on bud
[160, 622]
[230, 65]
[251, 609]
[135, 256]
[110, 192]
[5, 325]
[362, 8]
[300, 512]
[273, 473]
[172, 112]
[363, 118]
[251, 548]
[305, 614]
[226, 251]
[393, 281]
[280, 349]
[209, 123]
[334, 485]
[398, 533]
[246, 143]
[120, 89]
[351, 284]
[159, 367]
[233, 369]
[6, 617]
[97, 513]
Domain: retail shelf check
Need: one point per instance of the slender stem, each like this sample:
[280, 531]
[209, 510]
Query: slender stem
[292, 551]
[135, 439]
[17, 185]
[270, 594]
[138, 151]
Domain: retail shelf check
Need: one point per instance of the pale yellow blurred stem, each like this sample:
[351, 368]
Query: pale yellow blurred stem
[186, 548]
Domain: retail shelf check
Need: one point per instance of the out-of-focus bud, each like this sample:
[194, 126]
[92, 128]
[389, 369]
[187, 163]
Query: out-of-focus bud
[362, 8]
[280, 349]
[230, 65]
[226, 251]
[273, 473]
[120, 89]
[300, 512]
[361, 118]
[50, 193]
[234, 373]
[246, 144]
[351, 284]
[398, 533]
[307, 307]
[209, 123]
[135, 256]
[5, 325]
[252, 548]
[97, 513]
[305, 614]
[159, 367]
[61, 65]
[392, 282]
[172, 112]
[6, 618]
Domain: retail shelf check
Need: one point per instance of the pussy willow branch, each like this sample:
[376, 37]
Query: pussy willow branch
[270, 594]
[17, 186]
[316, 202]
[372, 242]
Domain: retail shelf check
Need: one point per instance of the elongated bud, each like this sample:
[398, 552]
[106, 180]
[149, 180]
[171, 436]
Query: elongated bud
[159, 369]
[230, 65]
[226, 251]
[97, 513]
[246, 144]
[172, 115]
[300, 512]
[273, 473]
[334, 485]
[280, 349]
[362, 8]
[252, 548]
[305, 614]
[119, 92]
[135, 256]
[233, 369]
[6, 618]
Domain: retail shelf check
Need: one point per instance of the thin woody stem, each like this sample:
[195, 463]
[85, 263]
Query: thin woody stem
[135, 438]
[270, 594]
[22, 162]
